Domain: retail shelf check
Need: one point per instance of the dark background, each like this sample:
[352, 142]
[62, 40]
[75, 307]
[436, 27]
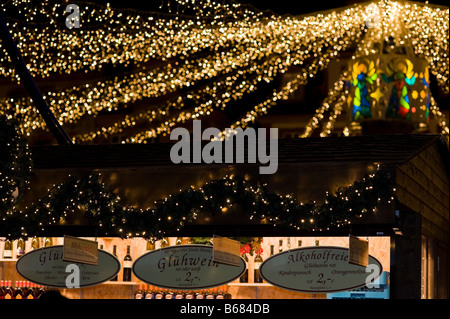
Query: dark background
[293, 7]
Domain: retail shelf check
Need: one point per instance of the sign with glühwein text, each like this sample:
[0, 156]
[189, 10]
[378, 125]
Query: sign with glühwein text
[45, 266]
[317, 270]
[185, 267]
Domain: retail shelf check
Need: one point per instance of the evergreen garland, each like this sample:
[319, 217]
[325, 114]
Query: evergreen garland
[15, 165]
[112, 217]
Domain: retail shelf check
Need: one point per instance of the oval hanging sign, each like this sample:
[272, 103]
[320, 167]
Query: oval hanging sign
[45, 266]
[318, 270]
[185, 267]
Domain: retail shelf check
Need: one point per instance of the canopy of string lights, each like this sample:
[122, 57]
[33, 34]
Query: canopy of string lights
[195, 57]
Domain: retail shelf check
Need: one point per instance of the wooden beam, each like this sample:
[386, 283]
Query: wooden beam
[28, 82]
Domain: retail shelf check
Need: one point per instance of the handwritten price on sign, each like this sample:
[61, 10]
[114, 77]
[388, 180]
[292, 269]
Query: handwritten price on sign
[323, 281]
[189, 277]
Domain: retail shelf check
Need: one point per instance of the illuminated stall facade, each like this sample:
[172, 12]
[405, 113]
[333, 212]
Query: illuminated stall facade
[415, 223]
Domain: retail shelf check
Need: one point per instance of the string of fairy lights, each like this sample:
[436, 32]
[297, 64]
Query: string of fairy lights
[73, 113]
[170, 54]
[91, 98]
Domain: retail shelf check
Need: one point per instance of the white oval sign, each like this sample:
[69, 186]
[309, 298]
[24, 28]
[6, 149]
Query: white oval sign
[185, 267]
[45, 266]
[318, 270]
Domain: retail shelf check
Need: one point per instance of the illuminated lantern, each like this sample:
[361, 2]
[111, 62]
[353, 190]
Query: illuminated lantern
[363, 76]
[389, 87]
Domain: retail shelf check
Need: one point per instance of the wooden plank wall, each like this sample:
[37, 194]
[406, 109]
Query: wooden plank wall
[423, 186]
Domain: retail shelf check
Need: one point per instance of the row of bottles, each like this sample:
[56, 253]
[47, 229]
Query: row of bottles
[126, 264]
[35, 243]
[152, 292]
[127, 261]
[257, 261]
[21, 246]
[20, 290]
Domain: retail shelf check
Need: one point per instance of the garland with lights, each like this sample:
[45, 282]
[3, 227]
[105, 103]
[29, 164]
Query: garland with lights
[111, 217]
[15, 165]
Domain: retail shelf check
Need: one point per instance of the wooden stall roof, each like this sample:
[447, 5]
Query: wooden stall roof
[388, 149]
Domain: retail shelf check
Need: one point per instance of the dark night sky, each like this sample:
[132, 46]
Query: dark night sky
[301, 7]
[278, 6]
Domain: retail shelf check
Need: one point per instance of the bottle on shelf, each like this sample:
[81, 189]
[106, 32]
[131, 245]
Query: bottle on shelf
[2, 289]
[280, 245]
[18, 290]
[8, 290]
[139, 294]
[38, 291]
[244, 276]
[180, 294]
[23, 286]
[223, 293]
[220, 294]
[20, 251]
[48, 241]
[22, 289]
[35, 243]
[8, 249]
[211, 294]
[159, 294]
[150, 244]
[189, 295]
[149, 293]
[179, 241]
[115, 255]
[299, 243]
[169, 294]
[165, 242]
[127, 264]
[30, 291]
[271, 250]
[200, 294]
[257, 263]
